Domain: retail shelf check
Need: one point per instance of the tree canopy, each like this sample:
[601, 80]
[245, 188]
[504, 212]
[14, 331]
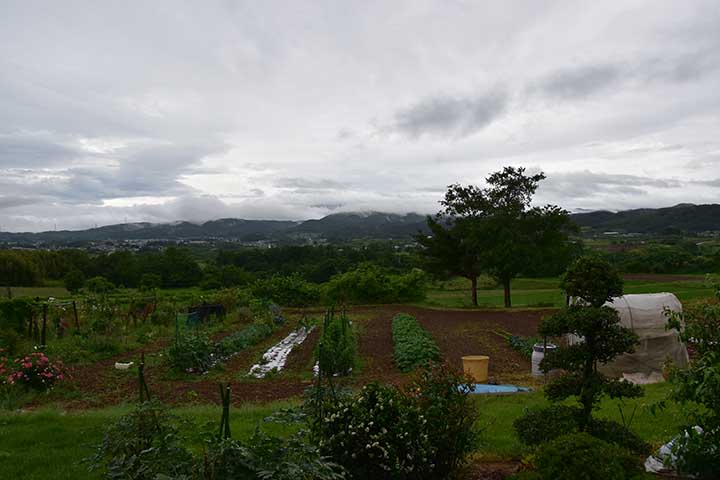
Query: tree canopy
[494, 229]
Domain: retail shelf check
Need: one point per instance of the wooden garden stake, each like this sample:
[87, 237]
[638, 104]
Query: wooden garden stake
[75, 313]
[43, 333]
[225, 419]
[144, 391]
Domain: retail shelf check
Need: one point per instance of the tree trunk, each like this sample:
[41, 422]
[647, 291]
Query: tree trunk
[506, 289]
[473, 281]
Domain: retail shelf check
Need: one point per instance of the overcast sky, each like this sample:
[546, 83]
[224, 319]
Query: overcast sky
[162, 111]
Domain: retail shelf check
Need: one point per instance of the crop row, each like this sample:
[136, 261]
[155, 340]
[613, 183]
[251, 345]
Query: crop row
[413, 345]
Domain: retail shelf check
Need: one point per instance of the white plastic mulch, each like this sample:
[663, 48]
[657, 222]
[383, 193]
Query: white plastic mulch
[276, 356]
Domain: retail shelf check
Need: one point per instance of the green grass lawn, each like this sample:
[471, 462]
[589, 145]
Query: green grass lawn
[545, 292]
[497, 414]
[51, 443]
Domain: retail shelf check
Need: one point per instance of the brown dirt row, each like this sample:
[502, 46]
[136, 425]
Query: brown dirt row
[457, 333]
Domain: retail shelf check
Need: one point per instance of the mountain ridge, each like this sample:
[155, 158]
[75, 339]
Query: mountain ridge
[342, 226]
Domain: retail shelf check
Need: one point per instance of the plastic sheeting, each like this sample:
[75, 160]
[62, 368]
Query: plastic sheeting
[276, 356]
[644, 314]
[484, 389]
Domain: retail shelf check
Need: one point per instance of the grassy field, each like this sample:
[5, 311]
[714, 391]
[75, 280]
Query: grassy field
[51, 443]
[544, 292]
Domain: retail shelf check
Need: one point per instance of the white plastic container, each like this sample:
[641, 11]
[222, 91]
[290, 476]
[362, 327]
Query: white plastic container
[538, 354]
[123, 366]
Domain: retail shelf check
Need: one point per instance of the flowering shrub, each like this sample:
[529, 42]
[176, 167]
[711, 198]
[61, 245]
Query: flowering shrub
[35, 371]
[383, 432]
[378, 433]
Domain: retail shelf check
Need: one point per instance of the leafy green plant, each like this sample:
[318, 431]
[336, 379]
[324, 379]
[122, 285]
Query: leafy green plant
[423, 432]
[542, 425]
[523, 345]
[338, 344]
[142, 445]
[289, 291]
[442, 396]
[579, 455]
[247, 337]
[378, 434]
[370, 283]
[413, 345]
[266, 457]
[698, 389]
[99, 285]
[191, 352]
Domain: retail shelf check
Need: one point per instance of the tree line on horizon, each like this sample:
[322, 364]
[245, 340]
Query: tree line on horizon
[492, 231]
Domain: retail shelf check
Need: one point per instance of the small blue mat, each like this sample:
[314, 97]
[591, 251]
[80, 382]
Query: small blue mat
[484, 388]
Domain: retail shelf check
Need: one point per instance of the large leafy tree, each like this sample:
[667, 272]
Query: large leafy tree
[494, 229]
[454, 249]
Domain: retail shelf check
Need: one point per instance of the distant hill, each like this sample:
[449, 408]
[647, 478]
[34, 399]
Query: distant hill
[346, 226]
[336, 227]
[682, 218]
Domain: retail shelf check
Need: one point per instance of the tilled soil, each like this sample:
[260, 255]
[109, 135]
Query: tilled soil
[457, 333]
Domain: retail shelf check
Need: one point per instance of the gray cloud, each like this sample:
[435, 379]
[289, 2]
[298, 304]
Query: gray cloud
[310, 184]
[587, 184]
[449, 116]
[578, 82]
[275, 110]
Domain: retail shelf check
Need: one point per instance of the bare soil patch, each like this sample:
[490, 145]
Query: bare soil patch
[456, 332]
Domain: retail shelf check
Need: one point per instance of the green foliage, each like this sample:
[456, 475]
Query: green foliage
[150, 282]
[317, 264]
[191, 352]
[369, 283]
[14, 316]
[288, 291]
[379, 434]
[338, 344]
[523, 345]
[593, 280]
[413, 345]
[442, 396]
[74, 281]
[603, 339]
[579, 455]
[385, 433]
[142, 445]
[18, 269]
[266, 457]
[99, 285]
[495, 230]
[539, 426]
[698, 389]
[247, 337]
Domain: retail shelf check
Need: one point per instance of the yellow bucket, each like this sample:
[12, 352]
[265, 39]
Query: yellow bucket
[477, 367]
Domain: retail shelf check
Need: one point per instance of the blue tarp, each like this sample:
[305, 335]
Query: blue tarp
[483, 388]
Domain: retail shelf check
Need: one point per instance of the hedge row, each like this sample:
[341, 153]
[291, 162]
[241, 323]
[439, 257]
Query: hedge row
[413, 345]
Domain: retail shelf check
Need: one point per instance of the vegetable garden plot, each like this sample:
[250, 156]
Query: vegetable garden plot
[276, 356]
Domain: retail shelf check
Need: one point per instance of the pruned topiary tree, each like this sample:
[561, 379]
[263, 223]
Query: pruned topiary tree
[591, 282]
